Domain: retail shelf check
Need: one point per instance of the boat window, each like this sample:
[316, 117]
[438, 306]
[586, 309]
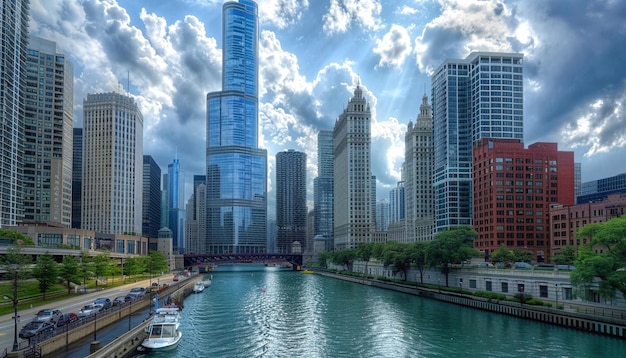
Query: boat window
[168, 331]
[156, 332]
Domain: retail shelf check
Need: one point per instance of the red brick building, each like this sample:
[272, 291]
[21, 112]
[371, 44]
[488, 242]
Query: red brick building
[513, 190]
[566, 220]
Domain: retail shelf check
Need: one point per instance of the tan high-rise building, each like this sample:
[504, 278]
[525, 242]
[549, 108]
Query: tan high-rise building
[418, 170]
[112, 164]
[48, 133]
[353, 209]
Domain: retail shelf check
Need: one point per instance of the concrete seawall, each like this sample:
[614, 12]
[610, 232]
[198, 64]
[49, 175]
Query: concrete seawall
[601, 325]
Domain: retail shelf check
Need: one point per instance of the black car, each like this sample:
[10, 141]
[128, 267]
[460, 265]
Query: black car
[35, 327]
[105, 302]
[120, 300]
[66, 319]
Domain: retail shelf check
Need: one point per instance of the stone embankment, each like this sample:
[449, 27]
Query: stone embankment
[614, 327]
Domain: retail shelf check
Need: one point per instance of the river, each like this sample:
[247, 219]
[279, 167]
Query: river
[255, 311]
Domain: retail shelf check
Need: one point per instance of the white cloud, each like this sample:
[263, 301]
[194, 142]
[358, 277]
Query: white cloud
[281, 13]
[394, 47]
[343, 13]
[407, 10]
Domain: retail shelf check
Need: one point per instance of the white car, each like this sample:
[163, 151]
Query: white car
[89, 310]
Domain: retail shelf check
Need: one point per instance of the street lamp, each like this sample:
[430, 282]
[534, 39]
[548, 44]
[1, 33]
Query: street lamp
[15, 316]
[556, 293]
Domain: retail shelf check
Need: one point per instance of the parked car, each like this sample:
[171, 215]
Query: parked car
[138, 291]
[48, 315]
[134, 295]
[36, 327]
[485, 264]
[175, 278]
[66, 319]
[523, 265]
[89, 310]
[105, 302]
[120, 300]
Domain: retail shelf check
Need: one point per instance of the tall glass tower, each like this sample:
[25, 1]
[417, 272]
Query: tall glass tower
[480, 96]
[236, 168]
[176, 205]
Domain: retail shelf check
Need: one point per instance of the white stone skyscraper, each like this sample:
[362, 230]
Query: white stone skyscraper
[480, 96]
[112, 164]
[14, 41]
[418, 169]
[354, 220]
[48, 132]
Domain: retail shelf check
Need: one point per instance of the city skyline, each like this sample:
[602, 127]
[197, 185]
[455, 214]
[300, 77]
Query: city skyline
[172, 57]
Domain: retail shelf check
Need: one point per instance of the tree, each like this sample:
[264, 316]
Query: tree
[324, 258]
[453, 245]
[134, 266]
[417, 253]
[345, 257]
[69, 271]
[14, 263]
[364, 252]
[602, 260]
[566, 256]
[397, 256]
[85, 268]
[102, 265]
[46, 271]
[521, 255]
[156, 263]
[17, 237]
[502, 254]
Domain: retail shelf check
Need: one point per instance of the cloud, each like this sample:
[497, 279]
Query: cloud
[406, 10]
[394, 47]
[281, 13]
[343, 13]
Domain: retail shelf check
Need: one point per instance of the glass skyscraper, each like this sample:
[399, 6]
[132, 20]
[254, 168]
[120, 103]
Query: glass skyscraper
[176, 205]
[480, 96]
[323, 190]
[236, 168]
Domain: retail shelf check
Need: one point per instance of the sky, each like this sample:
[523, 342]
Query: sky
[314, 52]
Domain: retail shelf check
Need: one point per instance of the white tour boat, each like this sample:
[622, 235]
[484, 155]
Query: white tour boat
[198, 287]
[163, 333]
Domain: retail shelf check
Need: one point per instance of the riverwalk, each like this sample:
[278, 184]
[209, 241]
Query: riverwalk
[606, 325]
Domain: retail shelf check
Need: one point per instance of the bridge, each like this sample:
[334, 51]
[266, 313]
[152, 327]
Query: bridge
[216, 259]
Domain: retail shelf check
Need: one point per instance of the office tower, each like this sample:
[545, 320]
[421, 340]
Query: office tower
[396, 203]
[514, 189]
[48, 112]
[165, 213]
[418, 175]
[323, 190]
[577, 180]
[176, 205]
[112, 164]
[151, 209]
[291, 209]
[353, 205]
[597, 190]
[382, 215]
[195, 225]
[77, 176]
[14, 40]
[480, 96]
[236, 168]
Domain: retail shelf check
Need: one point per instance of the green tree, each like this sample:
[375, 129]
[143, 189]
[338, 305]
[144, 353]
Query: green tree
[324, 258]
[134, 266]
[602, 260]
[453, 245]
[521, 255]
[345, 257]
[102, 265]
[15, 263]
[364, 252]
[85, 267]
[157, 263]
[17, 237]
[417, 253]
[396, 256]
[566, 256]
[502, 254]
[69, 271]
[46, 271]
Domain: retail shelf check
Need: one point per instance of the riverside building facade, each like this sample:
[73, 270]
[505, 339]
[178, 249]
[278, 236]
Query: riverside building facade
[291, 209]
[418, 172]
[514, 189]
[112, 164]
[236, 168]
[323, 191]
[480, 96]
[354, 207]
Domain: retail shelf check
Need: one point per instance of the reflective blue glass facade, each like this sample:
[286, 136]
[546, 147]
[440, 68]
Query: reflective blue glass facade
[236, 172]
[176, 205]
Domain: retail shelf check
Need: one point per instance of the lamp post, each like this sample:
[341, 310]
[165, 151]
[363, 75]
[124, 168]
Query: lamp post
[556, 293]
[15, 316]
